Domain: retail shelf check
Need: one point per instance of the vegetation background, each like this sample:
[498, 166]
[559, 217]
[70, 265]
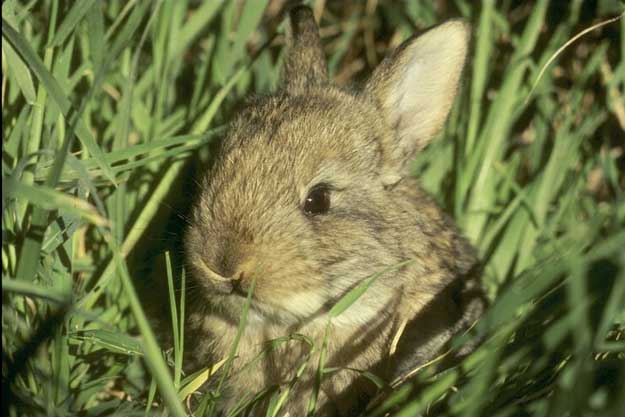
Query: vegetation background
[106, 104]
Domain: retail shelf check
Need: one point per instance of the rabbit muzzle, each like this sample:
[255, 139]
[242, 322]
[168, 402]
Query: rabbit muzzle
[223, 285]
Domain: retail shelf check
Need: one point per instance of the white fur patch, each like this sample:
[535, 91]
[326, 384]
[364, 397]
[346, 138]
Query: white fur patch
[304, 304]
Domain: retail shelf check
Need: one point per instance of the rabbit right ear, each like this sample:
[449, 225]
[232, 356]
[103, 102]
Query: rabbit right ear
[416, 86]
[305, 65]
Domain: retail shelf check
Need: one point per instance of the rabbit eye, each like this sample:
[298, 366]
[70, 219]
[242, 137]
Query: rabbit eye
[317, 201]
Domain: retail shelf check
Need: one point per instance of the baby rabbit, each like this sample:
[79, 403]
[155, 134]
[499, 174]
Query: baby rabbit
[310, 194]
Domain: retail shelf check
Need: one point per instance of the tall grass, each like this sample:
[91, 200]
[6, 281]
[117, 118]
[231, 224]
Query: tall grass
[104, 105]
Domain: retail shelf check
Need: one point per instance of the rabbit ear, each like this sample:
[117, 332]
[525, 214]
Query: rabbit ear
[416, 86]
[305, 65]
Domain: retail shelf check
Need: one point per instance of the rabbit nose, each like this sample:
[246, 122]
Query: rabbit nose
[238, 286]
[234, 285]
[219, 282]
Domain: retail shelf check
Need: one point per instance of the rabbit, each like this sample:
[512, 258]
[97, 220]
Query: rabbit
[309, 195]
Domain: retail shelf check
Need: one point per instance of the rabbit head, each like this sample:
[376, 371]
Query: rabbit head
[310, 192]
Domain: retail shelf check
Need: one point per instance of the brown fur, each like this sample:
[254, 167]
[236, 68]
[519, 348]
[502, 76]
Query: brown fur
[248, 224]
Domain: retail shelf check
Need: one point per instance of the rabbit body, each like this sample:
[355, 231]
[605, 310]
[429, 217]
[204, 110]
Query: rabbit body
[251, 224]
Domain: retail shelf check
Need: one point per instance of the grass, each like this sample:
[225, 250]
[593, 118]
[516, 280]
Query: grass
[105, 105]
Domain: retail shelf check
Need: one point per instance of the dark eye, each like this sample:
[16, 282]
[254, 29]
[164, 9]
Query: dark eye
[317, 201]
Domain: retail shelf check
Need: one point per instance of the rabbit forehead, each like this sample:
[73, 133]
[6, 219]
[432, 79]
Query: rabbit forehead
[328, 135]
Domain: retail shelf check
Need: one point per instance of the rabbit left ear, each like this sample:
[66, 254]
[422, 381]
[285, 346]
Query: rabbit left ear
[305, 65]
[416, 86]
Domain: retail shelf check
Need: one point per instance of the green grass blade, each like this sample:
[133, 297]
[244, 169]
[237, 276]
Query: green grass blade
[77, 12]
[23, 287]
[56, 93]
[109, 340]
[48, 198]
[355, 293]
[153, 356]
[20, 71]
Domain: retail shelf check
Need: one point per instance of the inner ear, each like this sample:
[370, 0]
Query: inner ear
[416, 86]
[305, 65]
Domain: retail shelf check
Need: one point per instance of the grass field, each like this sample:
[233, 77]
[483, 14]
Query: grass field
[107, 107]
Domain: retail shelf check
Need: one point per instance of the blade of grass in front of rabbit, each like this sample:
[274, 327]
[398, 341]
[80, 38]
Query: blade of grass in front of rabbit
[347, 300]
[174, 320]
[274, 344]
[235, 344]
[312, 402]
[152, 352]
